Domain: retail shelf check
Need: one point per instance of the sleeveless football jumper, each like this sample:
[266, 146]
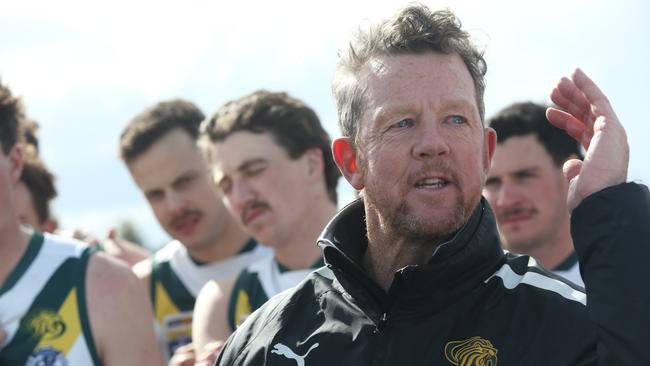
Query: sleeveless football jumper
[43, 306]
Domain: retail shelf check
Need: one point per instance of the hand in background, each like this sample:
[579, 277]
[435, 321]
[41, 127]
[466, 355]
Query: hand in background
[183, 356]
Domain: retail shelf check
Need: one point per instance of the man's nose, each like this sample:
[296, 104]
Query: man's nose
[429, 142]
[242, 193]
[508, 195]
[175, 202]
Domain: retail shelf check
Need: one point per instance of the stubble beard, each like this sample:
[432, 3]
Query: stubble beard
[400, 222]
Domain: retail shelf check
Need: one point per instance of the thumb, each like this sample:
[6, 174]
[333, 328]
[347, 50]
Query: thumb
[3, 335]
[571, 169]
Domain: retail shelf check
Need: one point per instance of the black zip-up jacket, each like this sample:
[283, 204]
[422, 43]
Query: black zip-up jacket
[471, 304]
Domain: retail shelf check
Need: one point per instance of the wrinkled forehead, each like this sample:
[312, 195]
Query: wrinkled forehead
[392, 82]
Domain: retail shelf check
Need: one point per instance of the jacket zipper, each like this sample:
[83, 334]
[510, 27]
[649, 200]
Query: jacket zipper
[379, 326]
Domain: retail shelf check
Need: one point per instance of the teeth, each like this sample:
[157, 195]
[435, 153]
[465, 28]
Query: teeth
[436, 182]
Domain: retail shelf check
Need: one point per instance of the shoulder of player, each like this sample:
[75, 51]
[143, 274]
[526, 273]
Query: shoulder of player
[109, 278]
[114, 299]
[216, 291]
[307, 291]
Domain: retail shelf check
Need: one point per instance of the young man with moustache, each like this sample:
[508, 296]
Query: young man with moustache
[61, 302]
[160, 150]
[527, 190]
[272, 161]
[416, 271]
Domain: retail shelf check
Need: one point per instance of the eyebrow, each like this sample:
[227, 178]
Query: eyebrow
[529, 169]
[248, 163]
[185, 175]
[385, 113]
[518, 172]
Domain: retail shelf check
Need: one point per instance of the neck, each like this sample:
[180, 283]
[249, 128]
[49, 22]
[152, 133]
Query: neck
[230, 242]
[387, 252]
[13, 243]
[300, 250]
[555, 251]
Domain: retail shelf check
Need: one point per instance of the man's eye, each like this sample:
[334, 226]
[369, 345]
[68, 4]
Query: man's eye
[457, 120]
[406, 122]
[154, 196]
[225, 187]
[255, 170]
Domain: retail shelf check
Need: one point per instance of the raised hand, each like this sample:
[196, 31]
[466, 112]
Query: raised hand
[586, 114]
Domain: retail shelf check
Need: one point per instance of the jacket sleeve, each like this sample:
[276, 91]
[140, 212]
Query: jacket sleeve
[611, 234]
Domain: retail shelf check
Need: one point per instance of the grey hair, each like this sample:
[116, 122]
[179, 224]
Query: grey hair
[413, 30]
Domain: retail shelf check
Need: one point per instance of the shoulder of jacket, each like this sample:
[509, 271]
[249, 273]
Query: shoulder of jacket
[520, 272]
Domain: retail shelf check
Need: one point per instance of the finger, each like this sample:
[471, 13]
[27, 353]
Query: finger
[571, 125]
[186, 348]
[112, 234]
[3, 335]
[181, 360]
[205, 362]
[575, 102]
[215, 345]
[571, 169]
[592, 92]
[207, 356]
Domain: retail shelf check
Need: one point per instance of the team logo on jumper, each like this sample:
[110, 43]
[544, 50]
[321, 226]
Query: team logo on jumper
[281, 349]
[47, 356]
[475, 351]
[45, 324]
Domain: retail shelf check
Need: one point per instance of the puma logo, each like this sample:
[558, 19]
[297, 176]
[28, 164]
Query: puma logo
[281, 349]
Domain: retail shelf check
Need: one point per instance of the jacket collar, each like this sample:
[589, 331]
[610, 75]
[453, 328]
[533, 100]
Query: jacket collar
[456, 267]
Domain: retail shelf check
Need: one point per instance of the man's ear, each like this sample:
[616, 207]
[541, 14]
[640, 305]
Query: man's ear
[16, 160]
[345, 157]
[490, 144]
[315, 163]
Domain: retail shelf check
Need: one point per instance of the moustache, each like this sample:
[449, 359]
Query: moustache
[505, 214]
[251, 206]
[183, 216]
[439, 168]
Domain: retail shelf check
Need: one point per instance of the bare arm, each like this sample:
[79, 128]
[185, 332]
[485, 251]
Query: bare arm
[120, 314]
[210, 322]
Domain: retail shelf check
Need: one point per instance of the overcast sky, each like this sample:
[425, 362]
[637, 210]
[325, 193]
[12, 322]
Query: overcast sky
[85, 68]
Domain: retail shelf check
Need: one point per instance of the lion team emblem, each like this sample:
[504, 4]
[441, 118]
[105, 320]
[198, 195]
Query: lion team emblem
[45, 324]
[471, 352]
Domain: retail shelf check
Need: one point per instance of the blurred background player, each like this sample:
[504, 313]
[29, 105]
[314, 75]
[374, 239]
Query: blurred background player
[272, 160]
[34, 192]
[160, 151]
[60, 302]
[527, 189]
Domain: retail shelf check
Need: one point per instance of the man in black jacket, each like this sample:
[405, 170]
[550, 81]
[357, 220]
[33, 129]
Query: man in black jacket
[415, 271]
